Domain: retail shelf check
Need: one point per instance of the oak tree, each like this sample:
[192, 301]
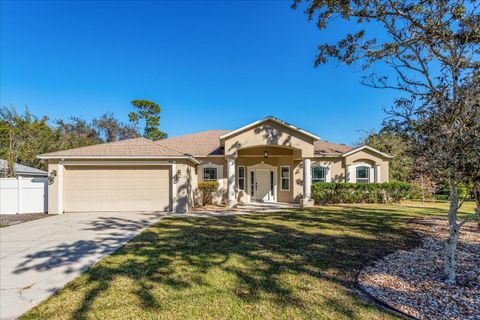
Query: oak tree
[432, 50]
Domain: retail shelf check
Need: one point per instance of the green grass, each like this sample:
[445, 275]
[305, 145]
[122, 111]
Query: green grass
[3, 225]
[298, 264]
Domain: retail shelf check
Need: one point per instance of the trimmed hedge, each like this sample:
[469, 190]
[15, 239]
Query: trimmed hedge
[333, 192]
[207, 188]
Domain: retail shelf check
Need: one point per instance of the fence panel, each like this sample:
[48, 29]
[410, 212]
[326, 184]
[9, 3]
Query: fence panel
[23, 195]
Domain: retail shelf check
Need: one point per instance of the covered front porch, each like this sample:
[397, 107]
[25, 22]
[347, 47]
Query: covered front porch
[268, 174]
[268, 161]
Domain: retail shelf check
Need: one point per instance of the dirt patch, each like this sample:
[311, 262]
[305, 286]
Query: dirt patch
[11, 219]
[412, 281]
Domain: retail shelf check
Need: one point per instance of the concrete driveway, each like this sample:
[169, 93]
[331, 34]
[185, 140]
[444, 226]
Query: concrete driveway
[39, 257]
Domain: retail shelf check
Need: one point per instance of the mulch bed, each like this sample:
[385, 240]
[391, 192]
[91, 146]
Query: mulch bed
[10, 219]
[412, 281]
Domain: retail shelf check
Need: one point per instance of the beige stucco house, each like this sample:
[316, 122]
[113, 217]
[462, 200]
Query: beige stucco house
[268, 160]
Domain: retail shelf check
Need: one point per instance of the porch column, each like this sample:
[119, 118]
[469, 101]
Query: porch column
[307, 183]
[60, 187]
[231, 200]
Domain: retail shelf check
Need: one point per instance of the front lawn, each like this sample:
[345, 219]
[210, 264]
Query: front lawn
[298, 264]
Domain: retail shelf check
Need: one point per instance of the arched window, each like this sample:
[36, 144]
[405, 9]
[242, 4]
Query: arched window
[319, 174]
[362, 174]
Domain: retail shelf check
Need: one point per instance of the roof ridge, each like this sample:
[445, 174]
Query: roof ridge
[191, 134]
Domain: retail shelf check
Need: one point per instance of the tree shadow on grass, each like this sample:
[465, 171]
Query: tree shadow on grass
[325, 244]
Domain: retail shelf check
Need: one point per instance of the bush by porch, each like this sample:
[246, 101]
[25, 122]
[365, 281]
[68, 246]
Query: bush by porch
[333, 192]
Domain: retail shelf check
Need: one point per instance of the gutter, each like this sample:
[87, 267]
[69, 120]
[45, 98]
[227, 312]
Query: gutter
[191, 158]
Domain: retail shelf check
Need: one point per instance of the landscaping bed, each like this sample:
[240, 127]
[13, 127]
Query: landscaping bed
[412, 281]
[11, 219]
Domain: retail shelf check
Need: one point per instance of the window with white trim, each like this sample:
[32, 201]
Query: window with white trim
[362, 174]
[319, 174]
[209, 174]
[241, 178]
[285, 178]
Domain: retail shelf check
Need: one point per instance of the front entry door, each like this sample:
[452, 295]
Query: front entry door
[263, 185]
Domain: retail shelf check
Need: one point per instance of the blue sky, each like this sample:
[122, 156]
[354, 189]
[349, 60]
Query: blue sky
[210, 65]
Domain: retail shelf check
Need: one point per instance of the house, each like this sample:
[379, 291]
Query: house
[267, 160]
[21, 170]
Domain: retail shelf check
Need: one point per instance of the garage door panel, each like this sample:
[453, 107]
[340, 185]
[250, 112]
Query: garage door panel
[116, 188]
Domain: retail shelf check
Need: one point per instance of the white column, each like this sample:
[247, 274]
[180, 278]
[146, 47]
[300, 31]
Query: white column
[307, 181]
[231, 200]
[307, 178]
[377, 173]
[60, 187]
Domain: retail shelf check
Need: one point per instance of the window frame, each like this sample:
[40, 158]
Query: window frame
[252, 183]
[325, 170]
[213, 168]
[284, 178]
[362, 180]
[241, 178]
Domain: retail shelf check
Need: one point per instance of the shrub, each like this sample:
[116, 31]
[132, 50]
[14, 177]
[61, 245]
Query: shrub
[207, 188]
[387, 192]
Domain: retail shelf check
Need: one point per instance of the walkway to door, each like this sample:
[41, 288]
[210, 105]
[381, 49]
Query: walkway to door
[267, 206]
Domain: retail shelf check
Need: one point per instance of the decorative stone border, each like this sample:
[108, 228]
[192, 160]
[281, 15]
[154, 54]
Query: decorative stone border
[410, 283]
[380, 302]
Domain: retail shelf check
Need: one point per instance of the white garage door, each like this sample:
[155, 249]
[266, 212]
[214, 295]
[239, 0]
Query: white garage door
[117, 188]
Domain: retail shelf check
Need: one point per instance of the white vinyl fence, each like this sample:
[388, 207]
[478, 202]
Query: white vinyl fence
[23, 195]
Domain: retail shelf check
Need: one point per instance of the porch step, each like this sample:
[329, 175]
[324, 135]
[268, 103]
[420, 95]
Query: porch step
[267, 206]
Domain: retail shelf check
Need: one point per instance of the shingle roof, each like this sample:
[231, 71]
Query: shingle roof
[128, 147]
[208, 143]
[198, 144]
[325, 148]
[21, 169]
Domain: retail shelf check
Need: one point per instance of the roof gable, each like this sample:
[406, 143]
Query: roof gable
[269, 118]
[367, 148]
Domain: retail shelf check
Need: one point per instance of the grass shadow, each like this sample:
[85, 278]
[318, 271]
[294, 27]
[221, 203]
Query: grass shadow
[298, 263]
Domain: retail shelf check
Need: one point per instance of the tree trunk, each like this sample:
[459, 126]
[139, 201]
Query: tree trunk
[449, 260]
[423, 191]
[476, 190]
[11, 155]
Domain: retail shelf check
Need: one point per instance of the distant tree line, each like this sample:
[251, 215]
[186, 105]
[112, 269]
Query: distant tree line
[24, 136]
